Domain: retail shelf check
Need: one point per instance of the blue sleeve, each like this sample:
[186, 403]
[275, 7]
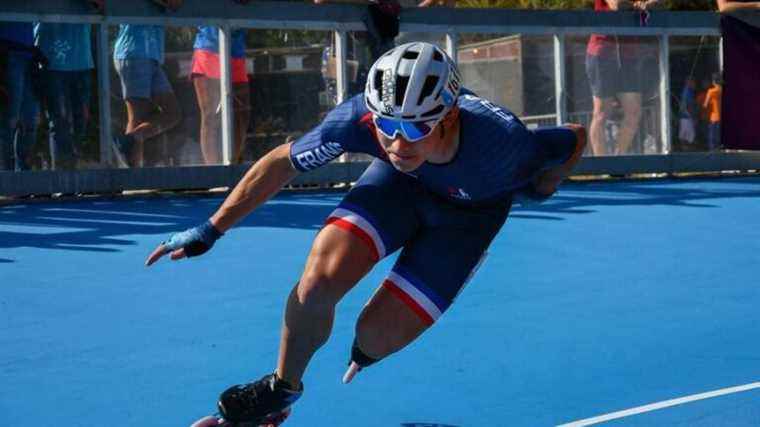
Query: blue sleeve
[557, 144]
[327, 141]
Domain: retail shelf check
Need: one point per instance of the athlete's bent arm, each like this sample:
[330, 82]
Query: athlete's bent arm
[547, 182]
[727, 6]
[263, 180]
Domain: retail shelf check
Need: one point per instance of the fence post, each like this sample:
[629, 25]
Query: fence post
[104, 94]
[226, 104]
[559, 78]
[341, 74]
[665, 112]
[451, 46]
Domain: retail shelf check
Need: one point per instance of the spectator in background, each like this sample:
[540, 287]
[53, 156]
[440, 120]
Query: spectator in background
[382, 20]
[206, 80]
[67, 87]
[434, 38]
[18, 121]
[382, 24]
[712, 105]
[703, 116]
[363, 48]
[615, 66]
[151, 105]
[688, 112]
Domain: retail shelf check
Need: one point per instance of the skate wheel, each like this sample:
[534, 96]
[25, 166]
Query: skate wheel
[351, 372]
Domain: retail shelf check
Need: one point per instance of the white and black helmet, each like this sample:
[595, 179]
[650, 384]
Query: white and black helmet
[413, 82]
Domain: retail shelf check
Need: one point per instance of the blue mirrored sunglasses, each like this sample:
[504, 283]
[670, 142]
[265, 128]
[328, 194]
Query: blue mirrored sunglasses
[411, 131]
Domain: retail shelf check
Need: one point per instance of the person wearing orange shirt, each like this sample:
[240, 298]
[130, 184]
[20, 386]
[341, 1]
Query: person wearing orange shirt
[703, 116]
[712, 105]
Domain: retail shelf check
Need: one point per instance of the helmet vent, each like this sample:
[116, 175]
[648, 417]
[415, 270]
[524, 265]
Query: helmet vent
[401, 84]
[437, 56]
[378, 83]
[427, 88]
[410, 55]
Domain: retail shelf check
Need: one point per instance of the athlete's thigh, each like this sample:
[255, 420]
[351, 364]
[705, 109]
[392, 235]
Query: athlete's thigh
[373, 220]
[379, 210]
[438, 262]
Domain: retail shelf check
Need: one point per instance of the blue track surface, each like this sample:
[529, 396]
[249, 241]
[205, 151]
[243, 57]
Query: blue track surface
[608, 297]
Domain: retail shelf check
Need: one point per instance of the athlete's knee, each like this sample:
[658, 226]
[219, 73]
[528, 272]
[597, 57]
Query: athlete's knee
[325, 280]
[316, 289]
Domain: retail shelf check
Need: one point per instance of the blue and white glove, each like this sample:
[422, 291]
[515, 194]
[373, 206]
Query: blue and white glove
[195, 241]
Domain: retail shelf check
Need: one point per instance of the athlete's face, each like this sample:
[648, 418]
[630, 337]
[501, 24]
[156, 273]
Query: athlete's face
[407, 156]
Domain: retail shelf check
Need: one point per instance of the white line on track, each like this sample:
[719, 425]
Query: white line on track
[661, 405]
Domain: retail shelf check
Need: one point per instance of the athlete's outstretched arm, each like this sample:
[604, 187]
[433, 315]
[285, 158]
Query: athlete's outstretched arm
[263, 180]
[547, 182]
[727, 6]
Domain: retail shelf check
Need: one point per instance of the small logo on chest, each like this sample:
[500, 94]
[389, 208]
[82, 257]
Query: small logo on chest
[458, 193]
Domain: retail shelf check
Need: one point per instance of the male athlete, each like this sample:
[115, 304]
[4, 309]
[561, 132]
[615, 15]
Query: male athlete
[447, 167]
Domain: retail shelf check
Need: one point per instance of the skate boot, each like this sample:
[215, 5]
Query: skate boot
[358, 361]
[264, 402]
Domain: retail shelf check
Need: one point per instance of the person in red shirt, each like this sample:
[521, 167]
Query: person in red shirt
[615, 69]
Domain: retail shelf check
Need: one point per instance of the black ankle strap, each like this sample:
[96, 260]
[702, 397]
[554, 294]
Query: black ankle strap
[279, 383]
[358, 356]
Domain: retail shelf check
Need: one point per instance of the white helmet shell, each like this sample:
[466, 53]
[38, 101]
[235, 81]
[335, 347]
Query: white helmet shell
[413, 82]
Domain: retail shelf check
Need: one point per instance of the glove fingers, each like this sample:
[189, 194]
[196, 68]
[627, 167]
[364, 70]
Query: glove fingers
[157, 253]
[178, 254]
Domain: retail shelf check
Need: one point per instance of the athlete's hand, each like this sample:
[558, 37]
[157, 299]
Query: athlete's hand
[189, 243]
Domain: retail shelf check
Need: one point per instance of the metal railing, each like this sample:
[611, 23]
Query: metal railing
[341, 19]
